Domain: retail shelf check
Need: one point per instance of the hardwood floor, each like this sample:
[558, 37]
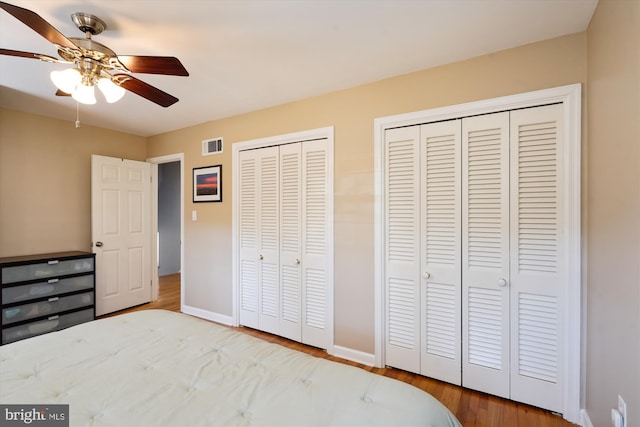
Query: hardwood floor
[472, 408]
[168, 297]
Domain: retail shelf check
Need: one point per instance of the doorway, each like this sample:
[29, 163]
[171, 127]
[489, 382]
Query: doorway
[168, 219]
[168, 235]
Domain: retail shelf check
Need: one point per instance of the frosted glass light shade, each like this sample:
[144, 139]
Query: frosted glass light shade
[111, 91]
[84, 94]
[66, 80]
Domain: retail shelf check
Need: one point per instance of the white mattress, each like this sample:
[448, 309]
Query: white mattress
[155, 367]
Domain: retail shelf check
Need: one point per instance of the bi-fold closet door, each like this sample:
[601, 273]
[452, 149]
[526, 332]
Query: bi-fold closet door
[473, 233]
[283, 241]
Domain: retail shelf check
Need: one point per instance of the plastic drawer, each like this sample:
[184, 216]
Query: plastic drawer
[54, 323]
[46, 289]
[43, 308]
[48, 269]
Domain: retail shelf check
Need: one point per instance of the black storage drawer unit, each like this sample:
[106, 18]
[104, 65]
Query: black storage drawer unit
[46, 292]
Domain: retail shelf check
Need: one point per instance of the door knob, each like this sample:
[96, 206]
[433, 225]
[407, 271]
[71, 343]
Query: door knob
[298, 261]
[427, 275]
[502, 282]
[261, 257]
[99, 244]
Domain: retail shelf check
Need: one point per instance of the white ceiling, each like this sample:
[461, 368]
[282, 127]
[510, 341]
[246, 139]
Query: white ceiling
[245, 55]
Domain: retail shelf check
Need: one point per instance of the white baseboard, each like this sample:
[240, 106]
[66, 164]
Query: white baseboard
[208, 315]
[585, 420]
[354, 355]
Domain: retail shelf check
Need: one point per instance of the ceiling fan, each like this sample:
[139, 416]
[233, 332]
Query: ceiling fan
[94, 64]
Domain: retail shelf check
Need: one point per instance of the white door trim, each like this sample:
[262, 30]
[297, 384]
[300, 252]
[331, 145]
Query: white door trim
[307, 135]
[155, 161]
[570, 96]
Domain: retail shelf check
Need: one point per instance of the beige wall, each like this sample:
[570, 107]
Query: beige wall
[613, 211]
[208, 241]
[45, 191]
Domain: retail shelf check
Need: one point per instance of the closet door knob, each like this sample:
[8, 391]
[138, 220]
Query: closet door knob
[427, 275]
[298, 261]
[261, 257]
[502, 282]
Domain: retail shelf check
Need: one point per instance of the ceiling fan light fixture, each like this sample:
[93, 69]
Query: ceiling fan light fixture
[66, 80]
[84, 94]
[111, 91]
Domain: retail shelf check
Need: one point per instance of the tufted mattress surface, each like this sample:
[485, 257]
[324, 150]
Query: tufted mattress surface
[160, 368]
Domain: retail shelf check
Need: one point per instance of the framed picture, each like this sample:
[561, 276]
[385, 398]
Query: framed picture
[207, 184]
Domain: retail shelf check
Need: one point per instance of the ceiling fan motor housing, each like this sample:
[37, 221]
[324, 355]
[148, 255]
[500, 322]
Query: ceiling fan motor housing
[88, 23]
[87, 49]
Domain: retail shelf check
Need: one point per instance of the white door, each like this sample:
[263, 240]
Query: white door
[268, 224]
[519, 245]
[538, 271]
[485, 248]
[284, 194]
[317, 250]
[304, 243]
[259, 239]
[121, 232]
[440, 208]
[248, 237]
[423, 238]
[291, 241]
[284, 201]
[402, 243]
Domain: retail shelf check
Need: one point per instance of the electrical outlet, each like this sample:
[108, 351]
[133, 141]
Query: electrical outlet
[622, 408]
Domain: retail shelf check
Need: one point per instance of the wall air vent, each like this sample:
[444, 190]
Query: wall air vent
[212, 146]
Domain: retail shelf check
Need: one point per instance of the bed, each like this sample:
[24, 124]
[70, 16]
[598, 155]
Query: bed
[161, 368]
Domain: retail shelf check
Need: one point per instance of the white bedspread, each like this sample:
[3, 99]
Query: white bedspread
[160, 368]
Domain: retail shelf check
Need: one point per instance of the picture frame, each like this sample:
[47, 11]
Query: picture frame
[207, 184]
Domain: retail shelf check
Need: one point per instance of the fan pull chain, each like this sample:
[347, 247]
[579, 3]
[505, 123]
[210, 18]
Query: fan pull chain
[77, 114]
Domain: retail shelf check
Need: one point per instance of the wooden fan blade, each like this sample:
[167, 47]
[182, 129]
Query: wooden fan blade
[61, 93]
[31, 55]
[39, 25]
[19, 53]
[167, 65]
[144, 90]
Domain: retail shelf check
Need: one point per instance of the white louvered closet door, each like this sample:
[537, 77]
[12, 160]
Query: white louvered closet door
[316, 250]
[259, 239]
[474, 237]
[248, 237]
[290, 241]
[268, 221]
[537, 271]
[285, 234]
[485, 249]
[440, 206]
[402, 248]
